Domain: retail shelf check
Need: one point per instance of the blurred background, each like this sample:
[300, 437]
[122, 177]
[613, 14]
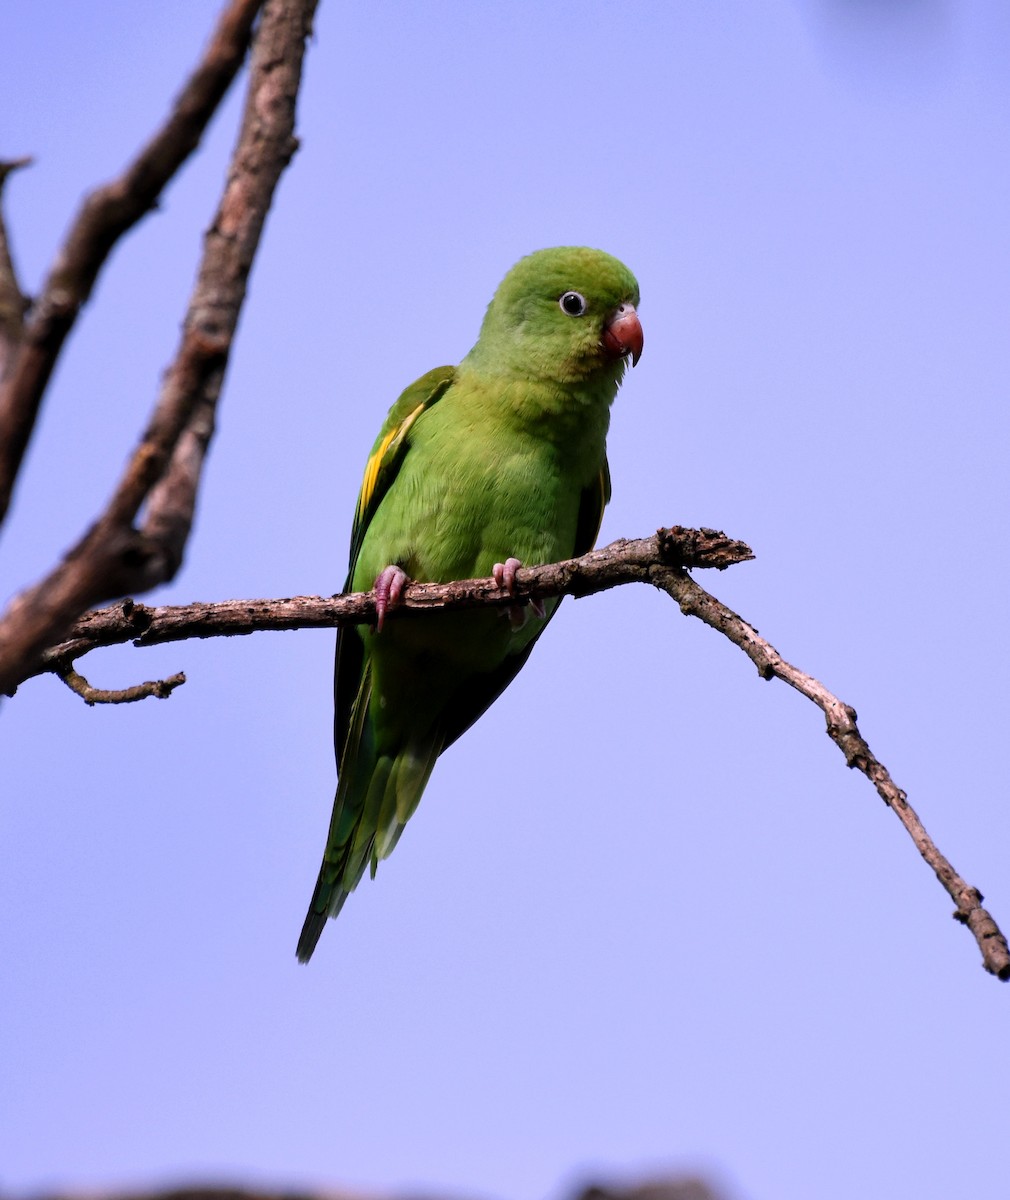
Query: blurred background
[645, 920]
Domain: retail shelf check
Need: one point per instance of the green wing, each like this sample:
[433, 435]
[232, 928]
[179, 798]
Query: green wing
[368, 780]
[390, 447]
[381, 469]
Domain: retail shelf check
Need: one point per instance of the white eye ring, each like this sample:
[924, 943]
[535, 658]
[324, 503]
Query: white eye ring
[573, 304]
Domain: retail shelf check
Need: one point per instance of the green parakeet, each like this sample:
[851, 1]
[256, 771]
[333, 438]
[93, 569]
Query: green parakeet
[478, 469]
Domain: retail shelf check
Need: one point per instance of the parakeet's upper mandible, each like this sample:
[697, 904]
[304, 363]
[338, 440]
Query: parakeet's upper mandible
[478, 469]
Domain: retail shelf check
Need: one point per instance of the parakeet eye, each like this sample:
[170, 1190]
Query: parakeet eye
[573, 303]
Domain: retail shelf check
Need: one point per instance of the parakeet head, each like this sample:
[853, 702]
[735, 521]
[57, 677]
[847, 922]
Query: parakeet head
[566, 314]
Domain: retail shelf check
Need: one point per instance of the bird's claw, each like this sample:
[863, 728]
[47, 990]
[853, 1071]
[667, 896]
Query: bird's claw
[505, 574]
[389, 585]
[505, 577]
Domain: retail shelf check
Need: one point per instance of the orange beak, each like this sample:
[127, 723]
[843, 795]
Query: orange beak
[622, 334]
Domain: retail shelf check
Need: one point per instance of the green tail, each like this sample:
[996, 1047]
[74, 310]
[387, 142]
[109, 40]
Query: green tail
[377, 793]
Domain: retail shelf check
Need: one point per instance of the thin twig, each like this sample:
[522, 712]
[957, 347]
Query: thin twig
[161, 688]
[842, 729]
[106, 214]
[114, 558]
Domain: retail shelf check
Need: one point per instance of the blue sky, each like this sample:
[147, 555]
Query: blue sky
[644, 918]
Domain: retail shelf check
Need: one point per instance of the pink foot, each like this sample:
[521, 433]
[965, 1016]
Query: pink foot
[505, 574]
[389, 585]
[505, 577]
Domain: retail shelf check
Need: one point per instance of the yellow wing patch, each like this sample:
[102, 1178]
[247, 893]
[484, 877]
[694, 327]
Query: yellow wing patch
[389, 443]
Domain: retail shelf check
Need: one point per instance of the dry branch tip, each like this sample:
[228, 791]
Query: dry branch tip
[161, 689]
[686, 548]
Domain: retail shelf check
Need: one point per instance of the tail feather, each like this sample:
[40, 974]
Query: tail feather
[376, 795]
[315, 921]
[407, 780]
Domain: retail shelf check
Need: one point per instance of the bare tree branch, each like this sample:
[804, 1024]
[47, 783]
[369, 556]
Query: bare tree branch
[662, 561]
[113, 557]
[106, 214]
[13, 302]
[620, 562]
[674, 1187]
